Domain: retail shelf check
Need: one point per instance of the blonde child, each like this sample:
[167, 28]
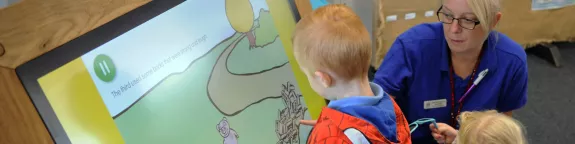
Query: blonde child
[333, 49]
[486, 127]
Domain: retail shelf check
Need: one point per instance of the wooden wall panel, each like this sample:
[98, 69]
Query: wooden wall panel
[33, 27]
[303, 7]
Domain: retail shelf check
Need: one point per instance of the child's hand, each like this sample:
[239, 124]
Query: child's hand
[308, 122]
[443, 133]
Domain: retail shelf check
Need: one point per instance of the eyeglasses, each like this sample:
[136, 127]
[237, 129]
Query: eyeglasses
[418, 122]
[449, 19]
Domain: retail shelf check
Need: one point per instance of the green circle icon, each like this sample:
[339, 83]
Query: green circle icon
[104, 68]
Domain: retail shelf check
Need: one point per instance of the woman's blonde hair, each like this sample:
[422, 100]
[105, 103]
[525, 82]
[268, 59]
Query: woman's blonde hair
[489, 127]
[486, 12]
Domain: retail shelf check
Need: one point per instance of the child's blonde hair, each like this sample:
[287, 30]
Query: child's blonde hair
[333, 38]
[489, 127]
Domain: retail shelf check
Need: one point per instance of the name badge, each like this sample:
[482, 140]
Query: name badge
[431, 104]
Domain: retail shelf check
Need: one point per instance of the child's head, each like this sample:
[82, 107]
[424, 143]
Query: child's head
[489, 127]
[332, 47]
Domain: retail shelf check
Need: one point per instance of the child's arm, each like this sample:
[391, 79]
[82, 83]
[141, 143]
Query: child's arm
[327, 134]
[332, 140]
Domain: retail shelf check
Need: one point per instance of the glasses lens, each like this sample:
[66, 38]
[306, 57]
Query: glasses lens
[468, 24]
[445, 18]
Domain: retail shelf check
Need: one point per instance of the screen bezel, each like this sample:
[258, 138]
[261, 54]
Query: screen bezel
[294, 10]
[31, 71]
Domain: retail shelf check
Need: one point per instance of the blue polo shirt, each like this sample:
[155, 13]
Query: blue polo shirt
[416, 70]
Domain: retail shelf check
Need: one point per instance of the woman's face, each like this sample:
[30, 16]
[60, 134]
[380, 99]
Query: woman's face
[459, 38]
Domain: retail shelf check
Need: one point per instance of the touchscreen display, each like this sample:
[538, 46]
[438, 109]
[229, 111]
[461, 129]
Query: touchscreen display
[205, 72]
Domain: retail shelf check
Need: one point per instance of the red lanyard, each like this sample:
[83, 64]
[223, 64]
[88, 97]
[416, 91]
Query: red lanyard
[454, 113]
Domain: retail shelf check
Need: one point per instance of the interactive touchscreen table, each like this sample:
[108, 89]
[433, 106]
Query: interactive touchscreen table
[196, 71]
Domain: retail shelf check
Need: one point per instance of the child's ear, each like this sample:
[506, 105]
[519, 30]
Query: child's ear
[325, 79]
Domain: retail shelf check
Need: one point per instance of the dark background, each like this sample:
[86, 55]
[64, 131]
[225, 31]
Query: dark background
[548, 116]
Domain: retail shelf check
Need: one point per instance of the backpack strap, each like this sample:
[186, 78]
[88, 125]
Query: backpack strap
[356, 136]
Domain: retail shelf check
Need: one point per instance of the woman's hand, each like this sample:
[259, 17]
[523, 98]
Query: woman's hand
[443, 133]
[308, 122]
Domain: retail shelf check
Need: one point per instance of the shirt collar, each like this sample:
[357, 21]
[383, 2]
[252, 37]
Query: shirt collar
[359, 100]
[488, 60]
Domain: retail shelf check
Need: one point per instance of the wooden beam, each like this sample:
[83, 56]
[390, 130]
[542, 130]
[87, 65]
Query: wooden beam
[303, 7]
[19, 120]
[32, 27]
[555, 54]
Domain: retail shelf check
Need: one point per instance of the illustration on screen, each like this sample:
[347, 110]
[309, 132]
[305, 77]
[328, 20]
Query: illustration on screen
[230, 135]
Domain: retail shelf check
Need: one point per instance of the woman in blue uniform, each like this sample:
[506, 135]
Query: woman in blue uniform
[430, 66]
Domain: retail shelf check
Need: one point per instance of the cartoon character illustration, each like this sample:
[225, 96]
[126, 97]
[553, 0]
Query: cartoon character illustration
[230, 135]
[241, 16]
[287, 126]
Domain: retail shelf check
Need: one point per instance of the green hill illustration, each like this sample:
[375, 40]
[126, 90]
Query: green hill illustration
[267, 54]
[255, 74]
